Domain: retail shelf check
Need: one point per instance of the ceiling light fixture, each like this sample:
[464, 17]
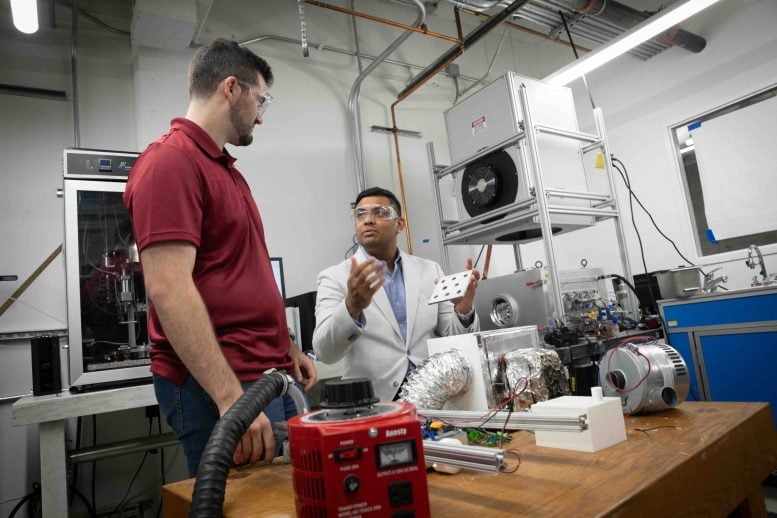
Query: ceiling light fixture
[25, 15]
[653, 26]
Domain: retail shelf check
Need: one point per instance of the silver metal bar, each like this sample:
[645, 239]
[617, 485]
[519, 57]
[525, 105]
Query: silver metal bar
[575, 135]
[491, 214]
[513, 420]
[464, 235]
[542, 204]
[592, 146]
[123, 448]
[474, 158]
[8, 399]
[607, 203]
[26, 335]
[621, 234]
[517, 256]
[438, 207]
[582, 195]
[582, 211]
[74, 74]
[477, 458]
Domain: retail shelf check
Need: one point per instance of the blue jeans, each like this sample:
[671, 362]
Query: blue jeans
[192, 414]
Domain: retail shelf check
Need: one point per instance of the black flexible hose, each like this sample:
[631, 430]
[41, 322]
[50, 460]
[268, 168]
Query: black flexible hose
[208, 494]
[622, 278]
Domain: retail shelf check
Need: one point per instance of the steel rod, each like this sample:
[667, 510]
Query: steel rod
[575, 135]
[123, 448]
[474, 158]
[477, 458]
[514, 420]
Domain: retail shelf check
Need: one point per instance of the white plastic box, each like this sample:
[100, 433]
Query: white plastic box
[606, 425]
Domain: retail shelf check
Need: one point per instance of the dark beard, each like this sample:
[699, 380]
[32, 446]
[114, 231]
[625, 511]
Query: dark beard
[244, 136]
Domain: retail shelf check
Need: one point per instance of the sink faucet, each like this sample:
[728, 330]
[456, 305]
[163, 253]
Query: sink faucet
[711, 282]
[751, 251]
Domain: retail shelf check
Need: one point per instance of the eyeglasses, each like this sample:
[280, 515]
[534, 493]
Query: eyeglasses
[263, 100]
[378, 212]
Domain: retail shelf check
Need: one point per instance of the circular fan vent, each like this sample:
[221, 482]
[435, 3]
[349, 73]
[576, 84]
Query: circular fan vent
[489, 183]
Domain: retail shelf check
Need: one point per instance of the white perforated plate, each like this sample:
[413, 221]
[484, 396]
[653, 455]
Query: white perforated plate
[451, 287]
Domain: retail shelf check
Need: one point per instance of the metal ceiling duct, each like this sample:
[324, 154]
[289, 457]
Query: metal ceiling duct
[594, 20]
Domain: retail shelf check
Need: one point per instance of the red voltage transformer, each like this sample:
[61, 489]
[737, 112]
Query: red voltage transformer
[358, 458]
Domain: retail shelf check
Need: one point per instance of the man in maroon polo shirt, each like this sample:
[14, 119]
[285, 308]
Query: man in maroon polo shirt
[216, 317]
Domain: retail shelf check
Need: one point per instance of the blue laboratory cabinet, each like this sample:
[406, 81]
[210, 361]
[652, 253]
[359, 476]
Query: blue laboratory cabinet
[729, 341]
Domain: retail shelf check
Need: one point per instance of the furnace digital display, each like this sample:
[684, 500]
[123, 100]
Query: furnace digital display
[105, 165]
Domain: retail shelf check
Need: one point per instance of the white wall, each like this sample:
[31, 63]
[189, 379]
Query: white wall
[641, 101]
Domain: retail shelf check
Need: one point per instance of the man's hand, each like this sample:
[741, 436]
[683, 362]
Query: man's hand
[364, 281]
[304, 368]
[257, 440]
[464, 304]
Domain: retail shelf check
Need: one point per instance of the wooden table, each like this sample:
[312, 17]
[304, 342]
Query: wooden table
[701, 459]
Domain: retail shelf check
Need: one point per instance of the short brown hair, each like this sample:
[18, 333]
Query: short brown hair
[220, 59]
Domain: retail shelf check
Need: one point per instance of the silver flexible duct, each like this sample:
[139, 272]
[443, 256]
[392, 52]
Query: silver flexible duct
[439, 378]
[543, 371]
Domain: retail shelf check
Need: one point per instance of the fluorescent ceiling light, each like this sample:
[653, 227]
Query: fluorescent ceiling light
[653, 26]
[25, 15]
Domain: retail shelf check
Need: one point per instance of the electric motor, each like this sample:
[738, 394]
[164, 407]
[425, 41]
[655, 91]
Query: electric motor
[647, 377]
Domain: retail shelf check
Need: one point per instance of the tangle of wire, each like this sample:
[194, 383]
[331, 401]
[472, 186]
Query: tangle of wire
[646, 430]
[520, 386]
[632, 340]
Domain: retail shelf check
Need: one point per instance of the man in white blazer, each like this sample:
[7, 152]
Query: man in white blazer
[373, 309]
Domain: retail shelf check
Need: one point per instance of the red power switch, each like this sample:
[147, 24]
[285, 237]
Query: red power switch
[348, 455]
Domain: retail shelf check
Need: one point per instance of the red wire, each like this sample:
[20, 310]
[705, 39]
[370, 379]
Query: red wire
[609, 372]
[517, 453]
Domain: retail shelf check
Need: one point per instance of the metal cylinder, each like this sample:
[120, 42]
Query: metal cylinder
[647, 378]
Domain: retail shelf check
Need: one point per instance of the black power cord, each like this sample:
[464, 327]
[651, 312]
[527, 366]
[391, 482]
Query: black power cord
[120, 507]
[479, 254]
[624, 280]
[632, 196]
[625, 177]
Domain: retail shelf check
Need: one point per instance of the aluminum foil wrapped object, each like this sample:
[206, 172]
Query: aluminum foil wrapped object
[439, 378]
[542, 368]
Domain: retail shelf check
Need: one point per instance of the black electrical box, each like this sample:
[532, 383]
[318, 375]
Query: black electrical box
[648, 292]
[46, 378]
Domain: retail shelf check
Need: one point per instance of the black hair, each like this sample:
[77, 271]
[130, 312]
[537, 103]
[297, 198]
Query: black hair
[379, 191]
[220, 59]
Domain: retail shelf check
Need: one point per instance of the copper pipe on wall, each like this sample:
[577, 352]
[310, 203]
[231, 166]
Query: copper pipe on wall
[488, 261]
[395, 132]
[420, 30]
[458, 23]
[527, 30]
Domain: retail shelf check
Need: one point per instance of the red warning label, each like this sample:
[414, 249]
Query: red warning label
[479, 125]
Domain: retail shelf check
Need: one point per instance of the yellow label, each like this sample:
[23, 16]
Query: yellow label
[672, 323]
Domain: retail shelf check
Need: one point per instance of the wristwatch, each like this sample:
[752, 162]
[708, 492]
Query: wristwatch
[466, 319]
